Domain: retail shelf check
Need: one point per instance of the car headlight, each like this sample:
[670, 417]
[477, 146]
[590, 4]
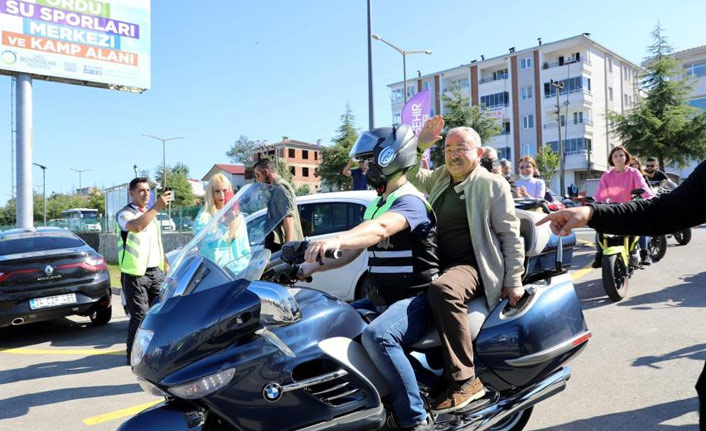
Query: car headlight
[203, 386]
[139, 346]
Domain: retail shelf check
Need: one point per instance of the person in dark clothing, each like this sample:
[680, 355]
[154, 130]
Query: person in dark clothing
[357, 175]
[654, 175]
[684, 207]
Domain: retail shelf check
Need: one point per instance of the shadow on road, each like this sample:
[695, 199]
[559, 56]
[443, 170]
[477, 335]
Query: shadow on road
[20, 405]
[648, 418]
[696, 352]
[87, 364]
[690, 293]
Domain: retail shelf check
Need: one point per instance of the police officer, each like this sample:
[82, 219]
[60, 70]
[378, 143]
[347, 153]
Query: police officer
[140, 253]
[399, 233]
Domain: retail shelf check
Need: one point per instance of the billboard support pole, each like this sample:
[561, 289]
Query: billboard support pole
[24, 204]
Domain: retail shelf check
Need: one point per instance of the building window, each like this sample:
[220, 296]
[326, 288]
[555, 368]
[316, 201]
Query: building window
[292, 153]
[426, 85]
[505, 153]
[525, 149]
[571, 85]
[625, 99]
[396, 119]
[695, 70]
[527, 121]
[293, 170]
[572, 146]
[316, 155]
[305, 154]
[396, 95]
[495, 100]
[610, 64]
[526, 63]
[505, 130]
[526, 92]
[578, 117]
[610, 93]
[411, 91]
[305, 172]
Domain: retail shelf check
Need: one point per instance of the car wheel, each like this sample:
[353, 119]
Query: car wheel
[101, 316]
[363, 287]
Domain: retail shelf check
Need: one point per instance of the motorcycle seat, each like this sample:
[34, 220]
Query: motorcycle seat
[477, 313]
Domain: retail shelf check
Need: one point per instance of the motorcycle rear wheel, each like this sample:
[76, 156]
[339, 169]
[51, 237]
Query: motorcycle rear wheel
[683, 236]
[657, 247]
[615, 277]
[516, 422]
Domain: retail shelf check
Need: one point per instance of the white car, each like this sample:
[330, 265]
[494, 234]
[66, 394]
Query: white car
[323, 215]
[166, 222]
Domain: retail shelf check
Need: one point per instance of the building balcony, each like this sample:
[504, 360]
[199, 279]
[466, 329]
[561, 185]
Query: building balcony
[551, 65]
[499, 77]
[571, 124]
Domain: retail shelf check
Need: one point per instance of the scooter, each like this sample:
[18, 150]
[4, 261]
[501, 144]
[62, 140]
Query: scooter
[233, 347]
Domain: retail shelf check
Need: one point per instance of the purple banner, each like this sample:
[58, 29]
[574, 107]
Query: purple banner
[74, 19]
[416, 112]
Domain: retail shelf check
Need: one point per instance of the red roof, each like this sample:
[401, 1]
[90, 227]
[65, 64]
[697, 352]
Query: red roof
[232, 169]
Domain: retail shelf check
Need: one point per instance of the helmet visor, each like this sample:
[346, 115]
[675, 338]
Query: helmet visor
[364, 146]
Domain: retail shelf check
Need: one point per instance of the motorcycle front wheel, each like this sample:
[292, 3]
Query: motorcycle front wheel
[683, 236]
[615, 277]
[657, 247]
[516, 422]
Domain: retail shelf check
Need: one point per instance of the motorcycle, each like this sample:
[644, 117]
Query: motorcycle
[234, 344]
[621, 259]
[683, 237]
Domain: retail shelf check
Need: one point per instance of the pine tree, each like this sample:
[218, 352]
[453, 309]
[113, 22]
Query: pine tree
[663, 124]
[335, 157]
[241, 150]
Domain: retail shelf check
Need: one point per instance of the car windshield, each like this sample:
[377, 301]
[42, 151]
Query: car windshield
[31, 242]
[227, 240]
[89, 215]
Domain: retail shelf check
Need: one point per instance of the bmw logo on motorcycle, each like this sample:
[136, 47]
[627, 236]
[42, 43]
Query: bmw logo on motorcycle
[272, 392]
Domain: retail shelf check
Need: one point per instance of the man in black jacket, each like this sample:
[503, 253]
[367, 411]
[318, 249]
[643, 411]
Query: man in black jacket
[682, 208]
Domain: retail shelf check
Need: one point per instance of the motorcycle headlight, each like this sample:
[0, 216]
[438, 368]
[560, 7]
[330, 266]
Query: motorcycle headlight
[139, 346]
[203, 386]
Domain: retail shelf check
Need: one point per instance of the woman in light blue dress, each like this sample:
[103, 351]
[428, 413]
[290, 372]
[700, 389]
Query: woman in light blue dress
[227, 242]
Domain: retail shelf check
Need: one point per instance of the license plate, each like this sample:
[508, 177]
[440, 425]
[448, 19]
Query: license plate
[52, 301]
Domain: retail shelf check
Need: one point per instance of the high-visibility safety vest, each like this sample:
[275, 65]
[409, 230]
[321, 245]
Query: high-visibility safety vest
[134, 247]
[401, 266]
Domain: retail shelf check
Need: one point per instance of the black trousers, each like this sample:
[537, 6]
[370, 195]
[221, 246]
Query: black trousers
[140, 292]
[701, 390]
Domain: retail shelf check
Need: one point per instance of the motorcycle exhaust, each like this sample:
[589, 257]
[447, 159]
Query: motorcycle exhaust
[490, 416]
[18, 321]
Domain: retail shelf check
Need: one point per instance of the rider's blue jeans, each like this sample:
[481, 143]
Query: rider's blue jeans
[402, 324]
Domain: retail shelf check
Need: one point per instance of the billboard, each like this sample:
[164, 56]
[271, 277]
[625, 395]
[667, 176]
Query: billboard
[85, 42]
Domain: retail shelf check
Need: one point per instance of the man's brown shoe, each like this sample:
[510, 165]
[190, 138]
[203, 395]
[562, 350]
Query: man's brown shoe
[458, 395]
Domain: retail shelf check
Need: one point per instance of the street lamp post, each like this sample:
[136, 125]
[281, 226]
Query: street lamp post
[164, 161]
[80, 171]
[44, 189]
[404, 59]
[558, 86]
[371, 108]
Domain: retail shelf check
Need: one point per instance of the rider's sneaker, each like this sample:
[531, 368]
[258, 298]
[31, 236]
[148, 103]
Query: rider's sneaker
[427, 425]
[634, 260]
[597, 263]
[645, 258]
[458, 395]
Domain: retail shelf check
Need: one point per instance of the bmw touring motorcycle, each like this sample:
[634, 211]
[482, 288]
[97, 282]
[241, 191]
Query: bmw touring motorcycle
[233, 345]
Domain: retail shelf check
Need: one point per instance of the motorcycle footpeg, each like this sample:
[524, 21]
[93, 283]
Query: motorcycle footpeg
[491, 397]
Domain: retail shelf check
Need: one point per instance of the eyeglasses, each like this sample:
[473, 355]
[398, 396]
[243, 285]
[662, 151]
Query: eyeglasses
[650, 166]
[461, 150]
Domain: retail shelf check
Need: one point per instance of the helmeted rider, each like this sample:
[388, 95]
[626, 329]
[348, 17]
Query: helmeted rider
[399, 233]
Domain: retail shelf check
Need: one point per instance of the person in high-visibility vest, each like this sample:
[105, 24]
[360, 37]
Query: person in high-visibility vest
[399, 234]
[140, 252]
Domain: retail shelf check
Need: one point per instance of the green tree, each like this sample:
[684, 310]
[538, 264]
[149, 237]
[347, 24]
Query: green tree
[303, 190]
[547, 162]
[241, 150]
[459, 112]
[335, 157]
[663, 124]
[178, 180]
[283, 170]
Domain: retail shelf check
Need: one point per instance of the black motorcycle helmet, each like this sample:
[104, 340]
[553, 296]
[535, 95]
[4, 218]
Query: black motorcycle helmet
[389, 151]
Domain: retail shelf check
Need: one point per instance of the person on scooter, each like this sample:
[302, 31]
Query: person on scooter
[682, 208]
[399, 233]
[480, 248]
[655, 177]
[616, 186]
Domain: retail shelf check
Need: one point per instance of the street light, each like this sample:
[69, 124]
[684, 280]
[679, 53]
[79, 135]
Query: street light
[558, 86]
[80, 171]
[44, 189]
[404, 59]
[164, 161]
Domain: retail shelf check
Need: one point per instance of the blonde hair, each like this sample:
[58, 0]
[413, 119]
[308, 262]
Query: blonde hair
[210, 205]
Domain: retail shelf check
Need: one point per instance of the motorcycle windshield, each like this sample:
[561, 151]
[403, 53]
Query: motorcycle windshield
[230, 239]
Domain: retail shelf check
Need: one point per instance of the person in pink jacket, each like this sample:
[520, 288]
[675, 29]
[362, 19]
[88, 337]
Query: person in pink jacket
[616, 186]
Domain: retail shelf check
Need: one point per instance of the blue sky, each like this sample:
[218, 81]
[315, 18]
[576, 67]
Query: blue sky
[267, 69]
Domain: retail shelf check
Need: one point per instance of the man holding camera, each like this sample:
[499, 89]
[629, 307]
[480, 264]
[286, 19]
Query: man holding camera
[140, 253]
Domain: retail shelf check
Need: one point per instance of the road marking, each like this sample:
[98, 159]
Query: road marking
[84, 352]
[586, 243]
[117, 414]
[575, 275]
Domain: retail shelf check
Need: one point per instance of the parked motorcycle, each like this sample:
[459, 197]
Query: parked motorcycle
[235, 347]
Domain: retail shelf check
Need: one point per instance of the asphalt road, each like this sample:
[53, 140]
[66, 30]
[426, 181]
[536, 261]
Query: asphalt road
[637, 372]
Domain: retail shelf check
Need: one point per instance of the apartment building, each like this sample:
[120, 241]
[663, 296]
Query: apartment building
[516, 88]
[303, 160]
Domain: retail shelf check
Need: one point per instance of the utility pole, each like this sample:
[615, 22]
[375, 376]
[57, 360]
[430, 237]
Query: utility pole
[164, 161]
[371, 108]
[80, 171]
[44, 189]
[558, 86]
